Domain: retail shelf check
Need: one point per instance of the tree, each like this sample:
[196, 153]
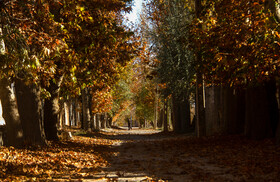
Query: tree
[24, 40]
[238, 50]
[169, 34]
[62, 47]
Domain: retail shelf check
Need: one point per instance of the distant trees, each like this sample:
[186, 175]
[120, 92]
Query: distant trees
[168, 31]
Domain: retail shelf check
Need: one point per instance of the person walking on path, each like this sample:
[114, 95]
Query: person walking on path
[128, 123]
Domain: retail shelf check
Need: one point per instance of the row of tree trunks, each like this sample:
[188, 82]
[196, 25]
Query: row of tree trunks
[224, 110]
[69, 113]
[253, 111]
[262, 112]
[23, 115]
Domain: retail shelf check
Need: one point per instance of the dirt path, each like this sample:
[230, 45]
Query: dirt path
[146, 155]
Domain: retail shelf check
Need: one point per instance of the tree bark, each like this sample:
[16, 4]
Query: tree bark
[278, 127]
[29, 107]
[165, 119]
[86, 100]
[199, 105]
[185, 115]
[103, 120]
[98, 121]
[11, 115]
[156, 109]
[270, 87]
[67, 113]
[274, 7]
[257, 124]
[176, 115]
[51, 112]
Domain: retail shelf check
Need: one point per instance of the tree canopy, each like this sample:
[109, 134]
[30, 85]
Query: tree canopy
[239, 42]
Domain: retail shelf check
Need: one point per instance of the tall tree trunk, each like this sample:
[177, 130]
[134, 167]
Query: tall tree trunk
[156, 109]
[86, 109]
[93, 126]
[199, 105]
[176, 116]
[257, 124]
[98, 121]
[67, 113]
[181, 115]
[110, 120]
[51, 112]
[103, 121]
[165, 119]
[107, 118]
[185, 115]
[10, 114]
[29, 107]
[278, 127]
[234, 110]
[61, 119]
[74, 112]
[160, 119]
[270, 87]
[273, 5]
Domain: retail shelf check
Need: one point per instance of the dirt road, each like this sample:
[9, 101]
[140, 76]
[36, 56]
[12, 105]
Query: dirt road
[146, 155]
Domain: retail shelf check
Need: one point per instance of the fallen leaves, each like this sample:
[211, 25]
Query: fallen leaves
[160, 157]
[78, 158]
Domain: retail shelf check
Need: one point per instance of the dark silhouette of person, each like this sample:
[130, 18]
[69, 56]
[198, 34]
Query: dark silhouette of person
[128, 123]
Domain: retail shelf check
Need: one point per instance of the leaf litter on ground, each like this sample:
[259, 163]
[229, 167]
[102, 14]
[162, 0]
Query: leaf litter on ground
[160, 157]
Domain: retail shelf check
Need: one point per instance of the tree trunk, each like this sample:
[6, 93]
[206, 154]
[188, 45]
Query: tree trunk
[176, 116]
[103, 120]
[156, 109]
[271, 91]
[67, 113]
[84, 110]
[236, 110]
[274, 7]
[86, 100]
[29, 107]
[98, 121]
[61, 117]
[278, 127]
[199, 105]
[165, 119]
[110, 120]
[10, 114]
[51, 112]
[185, 116]
[160, 119]
[257, 124]
[181, 115]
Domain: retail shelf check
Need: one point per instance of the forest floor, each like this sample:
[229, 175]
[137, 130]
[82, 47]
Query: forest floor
[143, 155]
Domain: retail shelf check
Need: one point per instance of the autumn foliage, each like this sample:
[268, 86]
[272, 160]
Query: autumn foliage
[238, 41]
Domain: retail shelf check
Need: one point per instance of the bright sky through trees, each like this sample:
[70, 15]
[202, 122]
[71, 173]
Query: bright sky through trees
[136, 9]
